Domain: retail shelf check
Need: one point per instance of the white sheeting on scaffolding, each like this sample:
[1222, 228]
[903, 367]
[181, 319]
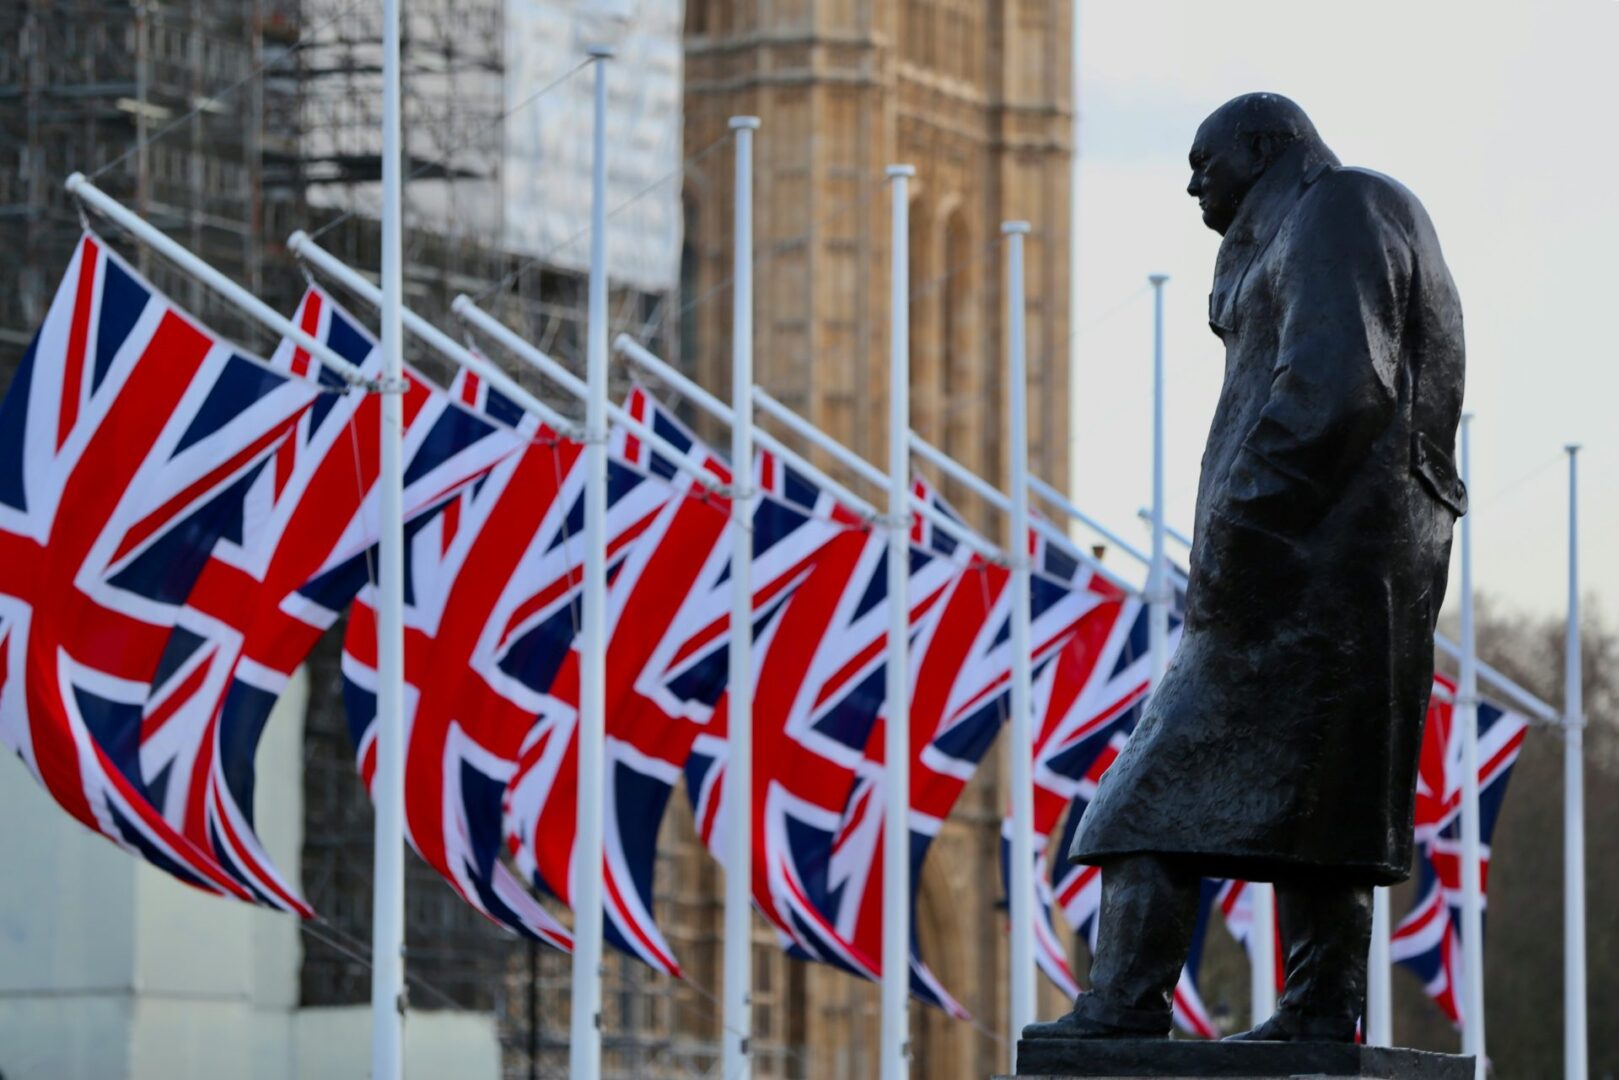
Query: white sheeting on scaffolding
[546, 173]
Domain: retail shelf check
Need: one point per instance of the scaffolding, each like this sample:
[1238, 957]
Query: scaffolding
[84, 84]
[228, 124]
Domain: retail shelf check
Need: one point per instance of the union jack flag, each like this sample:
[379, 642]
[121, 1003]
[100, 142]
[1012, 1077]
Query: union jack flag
[245, 628]
[960, 695]
[129, 439]
[1428, 940]
[1088, 702]
[676, 554]
[468, 624]
[819, 577]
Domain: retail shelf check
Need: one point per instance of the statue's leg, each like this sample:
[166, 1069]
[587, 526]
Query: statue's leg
[1148, 913]
[1326, 931]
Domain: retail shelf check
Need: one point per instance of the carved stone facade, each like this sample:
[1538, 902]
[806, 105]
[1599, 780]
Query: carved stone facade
[977, 95]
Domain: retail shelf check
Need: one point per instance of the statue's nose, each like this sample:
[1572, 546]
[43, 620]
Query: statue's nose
[1194, 187]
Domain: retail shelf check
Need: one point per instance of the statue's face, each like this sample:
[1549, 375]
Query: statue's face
[1224, 168]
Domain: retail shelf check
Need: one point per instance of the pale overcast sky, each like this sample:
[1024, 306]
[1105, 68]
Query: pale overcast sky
[1499, 115]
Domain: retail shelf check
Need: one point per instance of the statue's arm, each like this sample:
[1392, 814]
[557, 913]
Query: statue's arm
[1342, 290]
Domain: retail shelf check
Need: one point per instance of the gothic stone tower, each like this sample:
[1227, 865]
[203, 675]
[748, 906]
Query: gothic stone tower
[977, 95]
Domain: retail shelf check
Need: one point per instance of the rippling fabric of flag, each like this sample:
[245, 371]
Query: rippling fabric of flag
[819, 579]
[245, 627]
[129, 439]
[961, 668]
[685, 681]
[1428, 940]
[489, 583]
[1087, 702]
[674, 557]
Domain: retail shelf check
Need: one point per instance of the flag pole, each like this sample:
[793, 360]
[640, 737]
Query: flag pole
[896, 950]
[1158, 574]
[1021, 902]
[1379, 992]
[514, 343]
[738, 936]
[639, 355]
[858, 465]
[388, 895]
[1466, 713]
[1574, 1022]
[584, 1045]
[995, 498]
[79, 186]
[1262, 951]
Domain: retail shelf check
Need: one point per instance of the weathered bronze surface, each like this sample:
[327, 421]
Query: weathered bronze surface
[1282, 743]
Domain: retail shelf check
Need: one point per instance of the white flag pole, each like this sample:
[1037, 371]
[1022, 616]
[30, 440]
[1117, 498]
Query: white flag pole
[1021, 902]
[1466, 716]
[738, 936]
[1262, 951]
[1574, 1023]
[388, 896]
[896, 952]
[584, 1048]
[1158, 592]
[1379, 991]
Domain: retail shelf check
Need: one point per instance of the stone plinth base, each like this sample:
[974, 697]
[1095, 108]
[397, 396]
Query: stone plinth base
[1187, 1060]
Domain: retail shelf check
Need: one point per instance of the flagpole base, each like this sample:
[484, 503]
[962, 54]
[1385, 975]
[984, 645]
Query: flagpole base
[1065, 1059]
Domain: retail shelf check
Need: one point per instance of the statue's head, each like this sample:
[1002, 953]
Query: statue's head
[1234, 147]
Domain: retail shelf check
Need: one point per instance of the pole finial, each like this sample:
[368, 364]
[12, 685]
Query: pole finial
[1572, 448]
[749, 122]
[1157, 279]
[1008, 228]
[600, 52]
[899, 170]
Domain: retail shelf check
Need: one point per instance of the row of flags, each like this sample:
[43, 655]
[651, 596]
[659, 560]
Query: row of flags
[180, 522]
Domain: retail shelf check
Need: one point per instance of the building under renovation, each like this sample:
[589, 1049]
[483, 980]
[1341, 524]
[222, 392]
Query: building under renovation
[232, 123]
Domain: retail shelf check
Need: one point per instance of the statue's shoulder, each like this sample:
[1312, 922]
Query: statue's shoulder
[1340, 191]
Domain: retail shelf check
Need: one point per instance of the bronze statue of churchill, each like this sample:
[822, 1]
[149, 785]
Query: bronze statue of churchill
[1282, 743]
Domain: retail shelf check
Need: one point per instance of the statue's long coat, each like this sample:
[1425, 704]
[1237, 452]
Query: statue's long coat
[1285, 734]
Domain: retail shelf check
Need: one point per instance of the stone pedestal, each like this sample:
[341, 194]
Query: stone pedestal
[1185, 1060]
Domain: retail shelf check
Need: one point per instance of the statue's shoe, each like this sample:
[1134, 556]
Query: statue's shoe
[1090, 1019]
[1292, 1027]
